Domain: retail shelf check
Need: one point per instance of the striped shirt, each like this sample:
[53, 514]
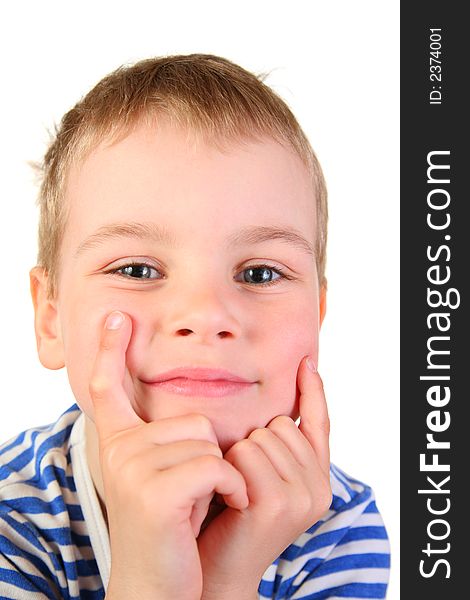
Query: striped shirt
[54, 542]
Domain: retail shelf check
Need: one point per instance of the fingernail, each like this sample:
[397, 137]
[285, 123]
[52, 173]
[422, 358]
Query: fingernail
[114, 320]
[311, 364]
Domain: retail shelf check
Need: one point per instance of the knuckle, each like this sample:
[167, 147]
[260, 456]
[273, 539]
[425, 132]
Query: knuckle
[281, 422]
[203, 425]
[99, 387]
[246, 446]
[260, 435]
[211, 449]
[211, 463]
[242, 451]
[203, 448]
[284, 420]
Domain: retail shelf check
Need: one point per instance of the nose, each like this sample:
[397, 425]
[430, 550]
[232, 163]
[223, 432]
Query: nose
[206, 315]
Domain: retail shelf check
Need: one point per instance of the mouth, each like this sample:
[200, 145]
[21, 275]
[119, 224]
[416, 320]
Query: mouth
[194, 387]
[212, 383]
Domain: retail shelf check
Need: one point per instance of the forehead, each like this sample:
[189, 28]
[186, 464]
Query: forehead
[173, 176]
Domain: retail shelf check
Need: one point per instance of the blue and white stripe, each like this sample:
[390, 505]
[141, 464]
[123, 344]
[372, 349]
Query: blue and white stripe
[49, 550]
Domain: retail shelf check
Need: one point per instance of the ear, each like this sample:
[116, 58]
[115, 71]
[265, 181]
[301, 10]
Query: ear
[322, 303]
[46, 322]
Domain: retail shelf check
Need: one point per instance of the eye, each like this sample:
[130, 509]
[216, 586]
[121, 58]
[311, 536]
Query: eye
[257, 275]
[135, 270]
[261, 275]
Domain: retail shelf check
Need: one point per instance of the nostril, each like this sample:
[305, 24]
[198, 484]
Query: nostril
[185, 331]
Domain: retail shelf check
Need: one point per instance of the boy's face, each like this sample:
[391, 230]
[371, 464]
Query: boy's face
[197, 304]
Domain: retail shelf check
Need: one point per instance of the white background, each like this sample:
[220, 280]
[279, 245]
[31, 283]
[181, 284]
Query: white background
[336, 64]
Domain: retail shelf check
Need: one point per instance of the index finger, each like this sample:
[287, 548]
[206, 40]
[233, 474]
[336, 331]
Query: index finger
[113, 411]
[314, 419]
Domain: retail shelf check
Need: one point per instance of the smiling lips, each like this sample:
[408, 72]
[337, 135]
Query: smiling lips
[200, 382]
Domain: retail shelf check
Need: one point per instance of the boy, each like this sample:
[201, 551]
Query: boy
[181, 281]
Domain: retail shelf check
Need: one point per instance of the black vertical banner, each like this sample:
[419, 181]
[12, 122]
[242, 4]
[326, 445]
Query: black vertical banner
[435, 332]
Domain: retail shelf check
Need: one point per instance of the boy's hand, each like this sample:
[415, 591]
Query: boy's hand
[286, 469]
[159, 479]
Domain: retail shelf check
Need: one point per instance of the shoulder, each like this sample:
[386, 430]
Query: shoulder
[347, 553]
[24, 460]
[40, 519]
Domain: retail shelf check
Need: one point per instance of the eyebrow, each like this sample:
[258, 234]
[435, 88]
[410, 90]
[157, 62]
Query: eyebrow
[251, 235]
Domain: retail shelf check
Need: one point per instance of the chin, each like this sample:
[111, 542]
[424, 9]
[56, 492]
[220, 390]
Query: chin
[226, 441]
[227, 438]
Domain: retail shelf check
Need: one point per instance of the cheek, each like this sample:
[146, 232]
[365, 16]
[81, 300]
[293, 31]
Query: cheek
[291, 336]
[83, 322]
[294, 335]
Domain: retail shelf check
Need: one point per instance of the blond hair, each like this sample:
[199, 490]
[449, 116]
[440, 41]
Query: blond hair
[204, 93]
